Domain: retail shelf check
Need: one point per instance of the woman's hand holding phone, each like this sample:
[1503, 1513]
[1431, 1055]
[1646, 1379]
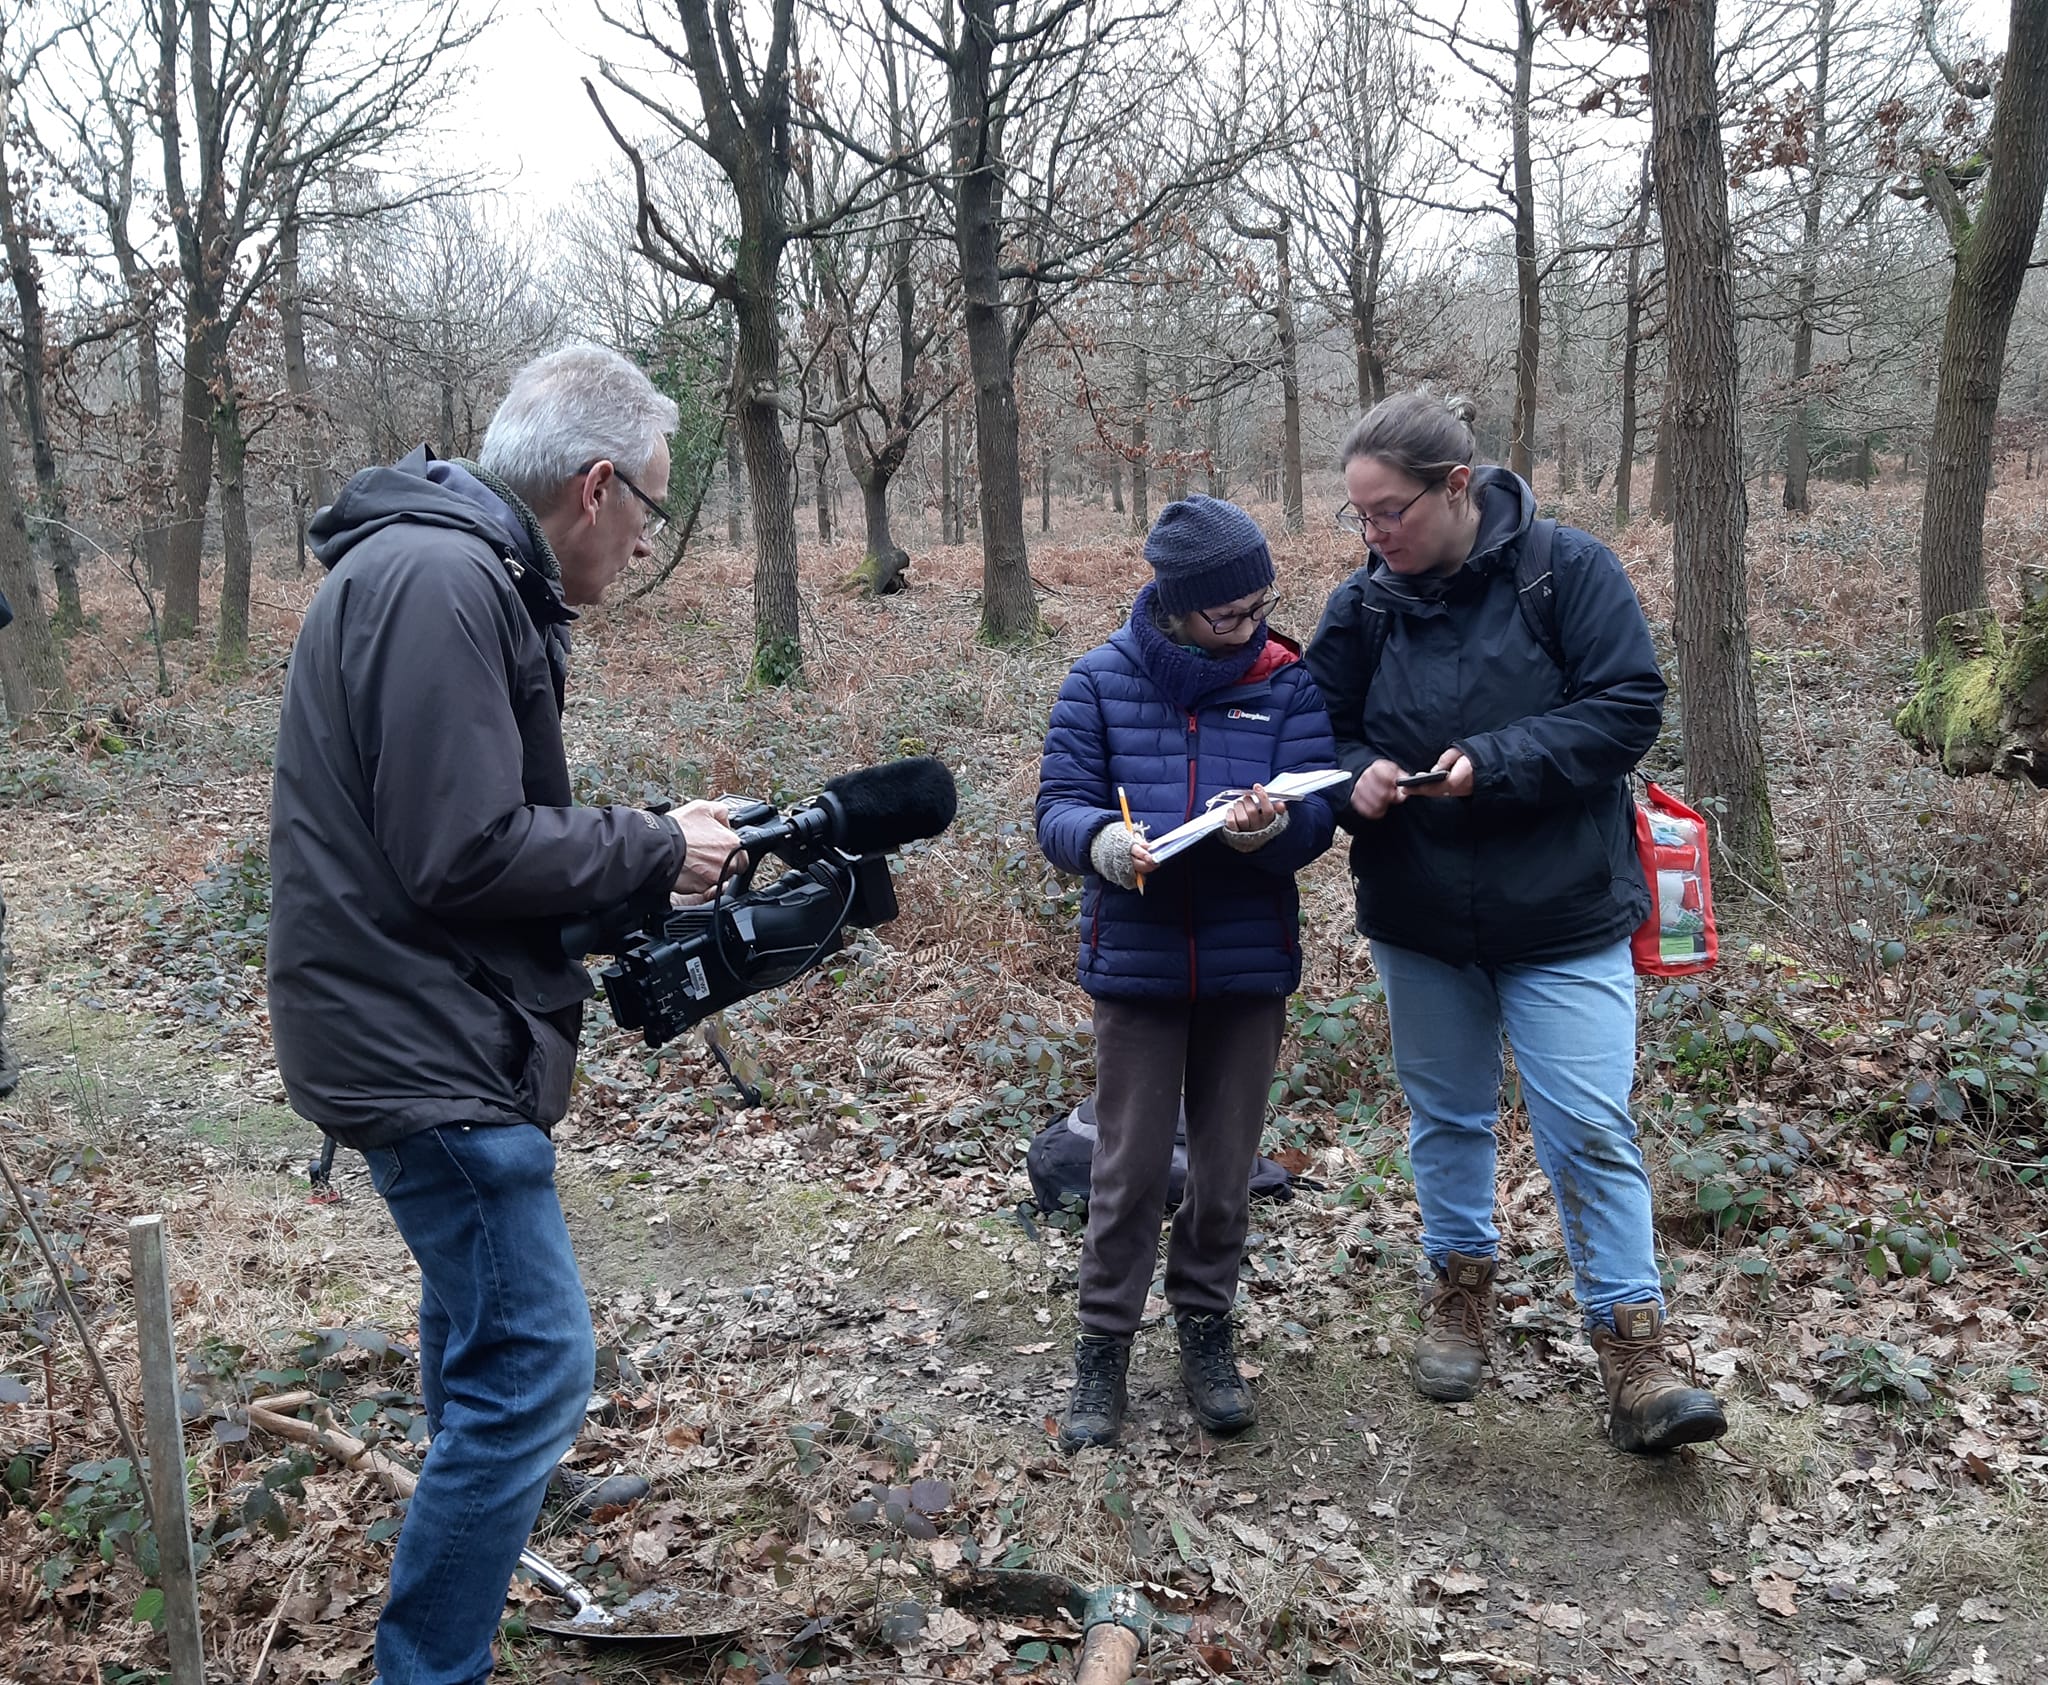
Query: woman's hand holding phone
[1455, 767]
[1386, 784]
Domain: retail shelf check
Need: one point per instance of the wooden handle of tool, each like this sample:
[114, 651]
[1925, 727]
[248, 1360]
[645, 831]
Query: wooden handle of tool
[1108, 1654]
[343, 1448]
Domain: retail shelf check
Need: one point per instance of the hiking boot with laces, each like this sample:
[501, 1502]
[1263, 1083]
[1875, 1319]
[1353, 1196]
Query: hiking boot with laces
[1650, 1405]
[1096, 1411]
[1219, 1396]
[1456, 1307]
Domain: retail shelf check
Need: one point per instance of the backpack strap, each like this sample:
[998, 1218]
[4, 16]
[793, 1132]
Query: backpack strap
[1536, 591]
[1372, 627]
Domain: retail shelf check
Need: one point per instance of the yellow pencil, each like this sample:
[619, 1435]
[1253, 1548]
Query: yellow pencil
[1124, 802]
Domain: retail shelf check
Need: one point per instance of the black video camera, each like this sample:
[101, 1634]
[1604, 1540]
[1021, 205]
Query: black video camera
[673, 967]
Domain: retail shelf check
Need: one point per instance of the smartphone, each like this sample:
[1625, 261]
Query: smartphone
[1421, 780]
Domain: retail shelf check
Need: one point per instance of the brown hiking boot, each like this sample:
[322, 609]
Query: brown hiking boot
[1451, 1350]
[1650, 1406]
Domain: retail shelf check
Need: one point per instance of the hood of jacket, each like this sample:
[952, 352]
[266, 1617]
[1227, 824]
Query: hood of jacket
[424, 490]
[428, 491]
[1507, 508]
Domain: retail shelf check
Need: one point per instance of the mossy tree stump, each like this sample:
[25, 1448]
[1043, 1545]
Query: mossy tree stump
[880, 574]
[1982, 702]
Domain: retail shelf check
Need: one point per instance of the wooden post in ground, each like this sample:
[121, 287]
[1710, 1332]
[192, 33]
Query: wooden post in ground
[164, 1435]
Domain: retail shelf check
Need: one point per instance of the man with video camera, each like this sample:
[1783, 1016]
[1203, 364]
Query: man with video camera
[425, 853]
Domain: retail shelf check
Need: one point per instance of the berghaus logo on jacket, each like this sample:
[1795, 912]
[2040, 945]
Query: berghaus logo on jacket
[1246, 714]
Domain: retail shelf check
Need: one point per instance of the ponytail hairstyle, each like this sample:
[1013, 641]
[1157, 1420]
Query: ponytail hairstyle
[1421, 435]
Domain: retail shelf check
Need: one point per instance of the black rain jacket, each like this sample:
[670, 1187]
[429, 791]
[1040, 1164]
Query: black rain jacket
[425, 848]
[1540, 862]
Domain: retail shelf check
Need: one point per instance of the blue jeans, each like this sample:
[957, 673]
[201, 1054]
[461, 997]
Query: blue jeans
[507, 1358]
[1572, 1025]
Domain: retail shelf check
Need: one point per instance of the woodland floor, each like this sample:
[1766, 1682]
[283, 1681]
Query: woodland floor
[831, 1300]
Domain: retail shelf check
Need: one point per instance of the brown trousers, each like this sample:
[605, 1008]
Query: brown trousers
[1219, 1053]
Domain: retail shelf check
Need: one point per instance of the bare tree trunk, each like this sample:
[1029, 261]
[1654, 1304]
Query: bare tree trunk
[1009, 610]
[231, 446]
[185, 539]
[1279, 235]
[1660, 468]
[155, 488]
[821, 473]
[1372, 368]
[55, 525]
[1293, 500]
[1991, 264]
[1045, 489]
[1631, 349]
[1528, 282]
[735, 470]
[883, 563]
[1219, 478]
[1798, 462]
[298, 379]
[874, 502]
[1176, 433]
[778, 646]
[1114, 472]
[1141, 444]
[1724, 763]
[31, 665]
[949, 505]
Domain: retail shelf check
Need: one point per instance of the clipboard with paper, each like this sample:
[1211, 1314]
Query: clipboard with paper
[1287, 787]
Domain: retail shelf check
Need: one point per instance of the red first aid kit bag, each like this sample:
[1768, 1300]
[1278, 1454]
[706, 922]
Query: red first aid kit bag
[1678, 938]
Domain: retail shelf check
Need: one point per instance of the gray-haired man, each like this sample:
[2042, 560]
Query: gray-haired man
[425, 851]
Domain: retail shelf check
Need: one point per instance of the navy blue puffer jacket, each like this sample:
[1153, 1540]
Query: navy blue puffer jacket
[1174, 728]
[1539, 863]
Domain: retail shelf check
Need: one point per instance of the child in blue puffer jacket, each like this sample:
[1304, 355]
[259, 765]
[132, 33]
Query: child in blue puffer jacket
[1189, 964]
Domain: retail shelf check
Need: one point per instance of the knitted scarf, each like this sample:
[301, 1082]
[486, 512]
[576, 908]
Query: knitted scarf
[1186, 676]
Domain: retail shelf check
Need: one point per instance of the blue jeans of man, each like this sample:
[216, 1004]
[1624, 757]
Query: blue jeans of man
[507, 1358]
[1572, 1025]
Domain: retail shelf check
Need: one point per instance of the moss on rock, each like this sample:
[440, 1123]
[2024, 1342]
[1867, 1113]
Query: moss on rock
[1955, 713]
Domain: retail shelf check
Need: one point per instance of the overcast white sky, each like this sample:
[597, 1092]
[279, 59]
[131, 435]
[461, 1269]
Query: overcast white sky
[526, 110]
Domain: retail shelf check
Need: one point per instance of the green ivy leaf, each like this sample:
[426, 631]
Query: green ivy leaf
[149, 1609]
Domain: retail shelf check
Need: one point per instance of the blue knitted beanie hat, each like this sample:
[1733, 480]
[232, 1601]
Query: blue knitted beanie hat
[1205, 552]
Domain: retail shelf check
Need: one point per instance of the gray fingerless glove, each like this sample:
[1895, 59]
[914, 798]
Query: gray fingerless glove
[1110, 854]
[1245, 841]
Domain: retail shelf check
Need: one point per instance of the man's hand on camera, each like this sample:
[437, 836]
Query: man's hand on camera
[712, 846]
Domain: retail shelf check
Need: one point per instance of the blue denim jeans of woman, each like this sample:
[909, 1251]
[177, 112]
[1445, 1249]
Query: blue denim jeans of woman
[1572, 1025]
[506, 1363]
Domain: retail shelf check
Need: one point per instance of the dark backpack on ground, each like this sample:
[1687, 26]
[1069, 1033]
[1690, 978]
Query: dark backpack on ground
[1059, 1157]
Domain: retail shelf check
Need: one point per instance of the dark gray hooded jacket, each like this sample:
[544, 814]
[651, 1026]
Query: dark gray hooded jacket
[1539, 863]
[424, 845]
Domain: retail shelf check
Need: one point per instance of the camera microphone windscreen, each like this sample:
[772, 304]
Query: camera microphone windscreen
[880, 808]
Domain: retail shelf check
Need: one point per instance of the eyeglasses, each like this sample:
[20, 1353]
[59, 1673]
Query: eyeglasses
[1357, 520]
[654, 520]
[1221, 623]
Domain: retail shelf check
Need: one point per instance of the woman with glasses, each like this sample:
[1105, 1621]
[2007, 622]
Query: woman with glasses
[1194, 702]
[1500, 894]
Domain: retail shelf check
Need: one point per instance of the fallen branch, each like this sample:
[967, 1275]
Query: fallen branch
[344, 1448]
